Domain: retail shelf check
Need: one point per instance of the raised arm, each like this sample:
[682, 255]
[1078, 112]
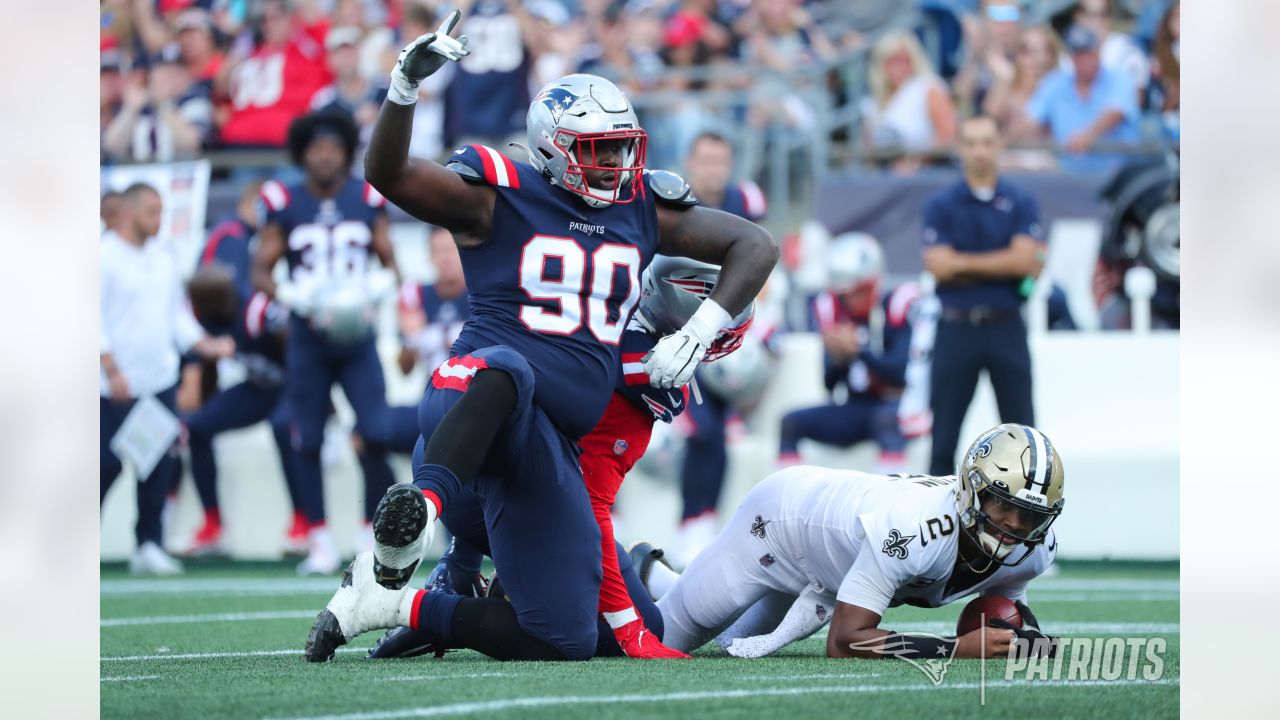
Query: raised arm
[422, 188]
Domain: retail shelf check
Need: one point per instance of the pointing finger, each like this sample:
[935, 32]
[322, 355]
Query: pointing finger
[450, 22]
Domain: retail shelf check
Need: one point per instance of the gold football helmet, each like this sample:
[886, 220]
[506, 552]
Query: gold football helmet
[1009, 490]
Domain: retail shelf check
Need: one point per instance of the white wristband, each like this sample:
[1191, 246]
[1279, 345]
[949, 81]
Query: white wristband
[710, 316]
[402, 92]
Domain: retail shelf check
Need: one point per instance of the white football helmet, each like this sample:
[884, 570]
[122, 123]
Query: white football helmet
[853, 258]
[343, 312]
[671, 291]
[567, 119]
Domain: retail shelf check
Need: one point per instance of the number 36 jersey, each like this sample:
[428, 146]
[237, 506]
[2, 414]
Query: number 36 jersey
[557, 281]
[326, 238]
[881, 541]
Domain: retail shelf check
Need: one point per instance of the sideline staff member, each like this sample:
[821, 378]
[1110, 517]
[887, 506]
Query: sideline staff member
[983, 245]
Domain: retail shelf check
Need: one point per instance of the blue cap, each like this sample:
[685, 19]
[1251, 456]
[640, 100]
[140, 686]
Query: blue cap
[1080, 39]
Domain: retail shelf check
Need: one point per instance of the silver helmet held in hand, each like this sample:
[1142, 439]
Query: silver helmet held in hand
[343, 312]
[670, 293]
[570, 122]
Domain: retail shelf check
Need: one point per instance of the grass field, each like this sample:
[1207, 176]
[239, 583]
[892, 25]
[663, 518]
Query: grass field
[225, 641]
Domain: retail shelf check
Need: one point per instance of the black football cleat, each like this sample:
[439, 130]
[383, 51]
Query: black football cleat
[326, 635]
[403, 642]
[643, 556]
[402, 528]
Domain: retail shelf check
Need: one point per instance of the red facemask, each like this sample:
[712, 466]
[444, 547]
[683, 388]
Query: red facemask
[582, 151]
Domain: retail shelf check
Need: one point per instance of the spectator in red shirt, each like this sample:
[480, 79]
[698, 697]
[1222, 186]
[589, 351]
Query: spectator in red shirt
[276, 82]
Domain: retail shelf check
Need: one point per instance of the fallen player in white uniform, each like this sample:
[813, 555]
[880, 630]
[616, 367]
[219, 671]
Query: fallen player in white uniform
[810, 545]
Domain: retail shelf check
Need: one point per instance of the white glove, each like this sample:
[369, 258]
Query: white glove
[672, 361]
[424, 56]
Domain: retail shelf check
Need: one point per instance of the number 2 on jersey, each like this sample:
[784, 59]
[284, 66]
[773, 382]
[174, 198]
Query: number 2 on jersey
[578, 291]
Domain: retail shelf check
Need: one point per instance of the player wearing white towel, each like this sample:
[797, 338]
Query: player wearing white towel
[810, 545]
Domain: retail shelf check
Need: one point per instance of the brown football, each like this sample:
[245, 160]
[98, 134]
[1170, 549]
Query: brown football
[989, 607]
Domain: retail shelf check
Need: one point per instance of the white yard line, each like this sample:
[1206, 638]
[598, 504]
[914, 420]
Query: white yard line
[129, 678]
[491, 706]
[201, 656]
[213, 617]
[417, 678]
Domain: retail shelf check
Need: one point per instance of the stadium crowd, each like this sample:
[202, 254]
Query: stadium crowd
[180, 79]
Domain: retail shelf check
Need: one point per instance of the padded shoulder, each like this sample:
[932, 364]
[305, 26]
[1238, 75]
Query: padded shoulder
[467, 172]
[483, 164]
[671, 189]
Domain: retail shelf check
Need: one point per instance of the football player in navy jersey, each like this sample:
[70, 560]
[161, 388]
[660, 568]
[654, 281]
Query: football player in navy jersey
[257, 327]
[552, 250]
[867, 337]
[328, 227]
[709, 166]
[631, 625]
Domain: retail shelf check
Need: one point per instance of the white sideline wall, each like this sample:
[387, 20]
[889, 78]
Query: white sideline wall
[1109, 401]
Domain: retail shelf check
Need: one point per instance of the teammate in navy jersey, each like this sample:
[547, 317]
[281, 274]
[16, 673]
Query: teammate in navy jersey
[709, 165]
[257, 327]
[867, 340]
[327, 227]
[552, 251]
[229, 241]
[672, 290]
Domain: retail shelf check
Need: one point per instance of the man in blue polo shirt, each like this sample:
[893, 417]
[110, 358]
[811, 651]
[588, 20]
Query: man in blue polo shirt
[983, 246]
[1086, 106]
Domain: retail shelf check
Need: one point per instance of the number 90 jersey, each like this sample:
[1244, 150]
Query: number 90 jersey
[555, 280]
[326, 238]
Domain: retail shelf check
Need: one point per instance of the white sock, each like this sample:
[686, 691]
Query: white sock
[661, 579]
[406, 607]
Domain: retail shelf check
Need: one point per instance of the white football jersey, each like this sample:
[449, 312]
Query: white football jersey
[878, 541]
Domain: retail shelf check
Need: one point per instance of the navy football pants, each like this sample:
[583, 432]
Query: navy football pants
[464, 517]
[960, 352]
[859, 419]
[706, 457]
[542, 534]
[314, 364]
[231, 409]
[152, 492]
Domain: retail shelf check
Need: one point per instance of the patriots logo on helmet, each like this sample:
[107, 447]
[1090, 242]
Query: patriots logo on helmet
[557, 100]
[701, 288]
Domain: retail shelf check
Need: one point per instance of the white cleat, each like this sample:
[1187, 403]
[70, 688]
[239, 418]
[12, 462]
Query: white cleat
[402, 528]
[694, 535]
[149, 559]
[360, 605]
[323, 558]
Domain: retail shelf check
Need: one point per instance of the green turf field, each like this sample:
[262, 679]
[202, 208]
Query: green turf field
[225, 641]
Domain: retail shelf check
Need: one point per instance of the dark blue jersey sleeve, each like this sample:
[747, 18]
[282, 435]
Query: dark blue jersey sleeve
[633, 383]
